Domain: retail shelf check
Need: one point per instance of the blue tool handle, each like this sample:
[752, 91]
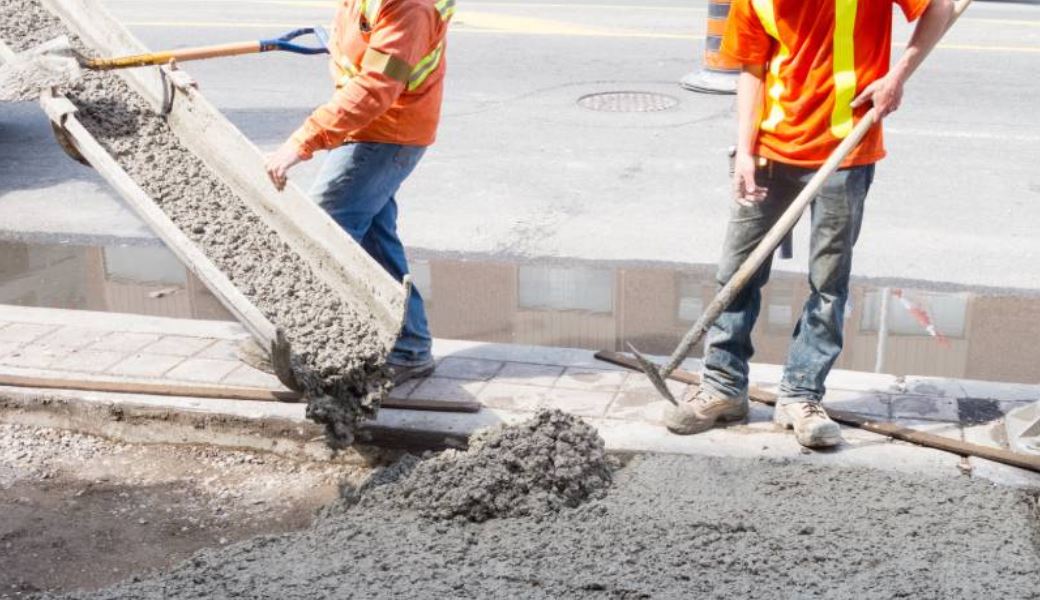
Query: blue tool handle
[285, 42]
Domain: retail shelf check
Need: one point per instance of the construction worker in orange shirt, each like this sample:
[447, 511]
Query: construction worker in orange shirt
[388, 64]
[810, 68]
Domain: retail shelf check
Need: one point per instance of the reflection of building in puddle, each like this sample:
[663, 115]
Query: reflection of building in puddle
[653, 307]
[144, 280]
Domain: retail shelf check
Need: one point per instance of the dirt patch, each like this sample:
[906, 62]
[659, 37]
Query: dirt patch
[337, 355]
[81, 512]
[671, 527]
[552, 461]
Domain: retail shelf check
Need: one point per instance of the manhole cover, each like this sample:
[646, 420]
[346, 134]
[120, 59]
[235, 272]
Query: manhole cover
[628, 102]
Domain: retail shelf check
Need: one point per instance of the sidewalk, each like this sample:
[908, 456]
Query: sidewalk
[509, 381]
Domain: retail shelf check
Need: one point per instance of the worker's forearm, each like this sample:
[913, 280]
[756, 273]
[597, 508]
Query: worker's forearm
[930, 28]
[749, 107]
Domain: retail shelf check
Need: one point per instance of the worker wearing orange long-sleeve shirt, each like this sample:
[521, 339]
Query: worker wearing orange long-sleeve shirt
[388, 65]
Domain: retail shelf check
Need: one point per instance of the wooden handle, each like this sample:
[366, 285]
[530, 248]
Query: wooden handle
[775, 235]
[182, 55]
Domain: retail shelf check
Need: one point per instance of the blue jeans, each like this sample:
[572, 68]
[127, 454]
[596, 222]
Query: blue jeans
[356, 186]
[837, 213]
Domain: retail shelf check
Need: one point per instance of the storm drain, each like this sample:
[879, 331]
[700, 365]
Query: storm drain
[628, 102]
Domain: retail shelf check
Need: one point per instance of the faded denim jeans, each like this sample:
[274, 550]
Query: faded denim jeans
[837, 213]
[356, 186]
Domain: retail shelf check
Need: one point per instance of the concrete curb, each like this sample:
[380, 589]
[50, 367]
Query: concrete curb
[284, 430]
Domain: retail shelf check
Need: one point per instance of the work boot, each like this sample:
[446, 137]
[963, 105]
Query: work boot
[700, 408]
[400, 373]
[812, 427]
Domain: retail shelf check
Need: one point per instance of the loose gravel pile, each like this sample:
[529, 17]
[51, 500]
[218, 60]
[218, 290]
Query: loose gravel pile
[337, 355]
[552, 461]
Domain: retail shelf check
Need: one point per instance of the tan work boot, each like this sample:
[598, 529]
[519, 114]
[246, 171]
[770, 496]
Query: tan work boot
[699, 409]
[812, 427]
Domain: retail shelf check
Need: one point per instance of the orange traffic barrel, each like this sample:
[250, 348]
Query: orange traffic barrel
[717, 74]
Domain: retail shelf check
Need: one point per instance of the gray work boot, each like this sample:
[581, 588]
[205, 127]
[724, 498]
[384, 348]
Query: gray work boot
[401, 373]
[700, 408]
[812, 427]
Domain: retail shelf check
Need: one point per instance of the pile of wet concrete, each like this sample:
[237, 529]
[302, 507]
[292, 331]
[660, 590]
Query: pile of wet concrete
[535, 468]
[458, 526]
[337, 358]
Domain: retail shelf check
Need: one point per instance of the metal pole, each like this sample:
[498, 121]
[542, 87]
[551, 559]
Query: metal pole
[882, 335]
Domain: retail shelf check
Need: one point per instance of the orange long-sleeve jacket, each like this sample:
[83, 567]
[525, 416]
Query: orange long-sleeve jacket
[387, 60]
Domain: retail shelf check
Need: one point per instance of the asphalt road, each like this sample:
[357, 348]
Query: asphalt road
[520, 168]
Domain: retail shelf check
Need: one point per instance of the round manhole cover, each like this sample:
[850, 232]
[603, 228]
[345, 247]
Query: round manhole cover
[628, 102]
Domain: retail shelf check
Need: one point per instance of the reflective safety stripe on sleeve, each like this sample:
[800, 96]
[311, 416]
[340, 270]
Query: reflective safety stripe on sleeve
[426, 66]
[347, 71]
[391, 66]
[370, 9]
[775, 113]
[446, 8]
[844, 67]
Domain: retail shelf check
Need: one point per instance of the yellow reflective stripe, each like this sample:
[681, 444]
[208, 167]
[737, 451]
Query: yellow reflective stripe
[844, 67]
[347, 71]
[426, 66]
[775, 114]
[446, 8]
[370, 8]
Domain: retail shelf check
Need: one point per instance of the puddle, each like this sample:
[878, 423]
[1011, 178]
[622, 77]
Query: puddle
[920, 330]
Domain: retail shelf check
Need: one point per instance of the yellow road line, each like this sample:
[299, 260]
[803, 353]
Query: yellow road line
[325, 4]
[484, 5]
[485, 23]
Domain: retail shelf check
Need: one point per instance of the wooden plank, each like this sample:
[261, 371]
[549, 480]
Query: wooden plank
[225, 392]
[892, 430]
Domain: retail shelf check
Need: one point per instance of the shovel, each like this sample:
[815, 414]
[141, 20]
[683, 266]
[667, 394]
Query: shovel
[285, 43]
[59, 54]
[783, 226]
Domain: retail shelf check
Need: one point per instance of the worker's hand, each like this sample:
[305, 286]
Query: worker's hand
[279, 163]
[885, 94]
[746, 191]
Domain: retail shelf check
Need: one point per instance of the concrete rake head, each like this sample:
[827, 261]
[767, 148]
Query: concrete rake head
[654, 373]
[30, 73]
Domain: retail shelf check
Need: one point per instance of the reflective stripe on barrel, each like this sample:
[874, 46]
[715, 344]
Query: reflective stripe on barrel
[714, 60]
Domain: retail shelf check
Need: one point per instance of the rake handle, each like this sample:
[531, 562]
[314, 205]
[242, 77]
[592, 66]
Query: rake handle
[776, 234]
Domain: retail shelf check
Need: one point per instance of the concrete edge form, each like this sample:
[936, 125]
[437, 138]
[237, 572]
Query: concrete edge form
[130, 323]
[284, 430]
[1023, 428]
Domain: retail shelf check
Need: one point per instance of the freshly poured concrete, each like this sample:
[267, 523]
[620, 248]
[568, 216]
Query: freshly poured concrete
[338, 357]
[671, 527]
[548, 462]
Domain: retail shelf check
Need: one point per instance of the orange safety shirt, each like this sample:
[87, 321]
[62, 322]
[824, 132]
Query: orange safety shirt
[388, 65]
[820, 55]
